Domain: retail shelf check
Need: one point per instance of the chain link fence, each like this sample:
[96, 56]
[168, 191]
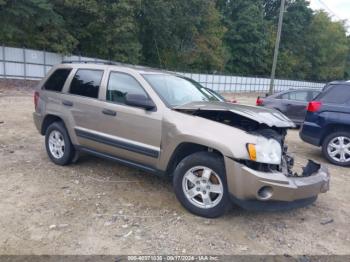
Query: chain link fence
[22, 63]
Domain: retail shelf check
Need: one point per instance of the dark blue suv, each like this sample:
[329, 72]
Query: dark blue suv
[327, 123]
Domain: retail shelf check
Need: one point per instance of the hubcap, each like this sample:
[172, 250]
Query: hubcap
[56, 144]
[202, 187]
[339, 149]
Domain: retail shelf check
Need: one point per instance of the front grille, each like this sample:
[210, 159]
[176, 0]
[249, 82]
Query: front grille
[262, 167]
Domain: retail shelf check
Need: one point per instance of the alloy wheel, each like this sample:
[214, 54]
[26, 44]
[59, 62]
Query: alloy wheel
[202, 187]
[56, 144]
[339, 149]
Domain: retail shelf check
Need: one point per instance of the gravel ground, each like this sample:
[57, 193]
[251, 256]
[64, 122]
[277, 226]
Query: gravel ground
[99, 207]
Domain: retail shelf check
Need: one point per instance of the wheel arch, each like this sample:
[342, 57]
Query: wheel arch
[334, 128]
[185, 149]
[48, 120]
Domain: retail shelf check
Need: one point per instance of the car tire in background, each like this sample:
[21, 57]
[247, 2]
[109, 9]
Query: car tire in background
[58, 144]
[200, 184]
[336, 148]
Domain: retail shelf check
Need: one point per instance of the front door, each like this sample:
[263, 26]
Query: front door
[298, 104]
[294, 105]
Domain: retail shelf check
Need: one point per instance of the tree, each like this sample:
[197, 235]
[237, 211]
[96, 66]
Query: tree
[34, 24]
[246, 36]
[106, 29]
[292, 61]
[347, 65]
[327, 48]
[183, 34]
[236, 36]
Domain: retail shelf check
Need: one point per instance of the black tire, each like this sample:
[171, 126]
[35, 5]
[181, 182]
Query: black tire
[68, 149]
[326, 142]
[216, 164]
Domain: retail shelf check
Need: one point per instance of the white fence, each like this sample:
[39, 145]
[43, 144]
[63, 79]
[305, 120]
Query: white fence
[21, 63]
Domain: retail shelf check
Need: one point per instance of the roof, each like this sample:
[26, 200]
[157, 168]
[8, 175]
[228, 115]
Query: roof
[346, 82]
[108, 64]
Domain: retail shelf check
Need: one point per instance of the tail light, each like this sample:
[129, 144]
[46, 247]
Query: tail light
[36, 99]
[314, 106]
[259, 101]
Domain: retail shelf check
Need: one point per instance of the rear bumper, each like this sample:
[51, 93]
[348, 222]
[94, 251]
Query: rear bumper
[245, 183]
[311, 133]
[37, 121]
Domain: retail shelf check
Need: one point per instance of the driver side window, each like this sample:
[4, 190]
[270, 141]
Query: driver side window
[121, 84]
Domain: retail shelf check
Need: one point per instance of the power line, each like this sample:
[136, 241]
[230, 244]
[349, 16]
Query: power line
[329, 10]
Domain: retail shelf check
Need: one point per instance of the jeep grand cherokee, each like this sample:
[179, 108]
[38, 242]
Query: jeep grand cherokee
[166, 124]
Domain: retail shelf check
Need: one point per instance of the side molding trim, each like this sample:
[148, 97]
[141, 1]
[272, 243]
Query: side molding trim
[117, 143]
[121, 161]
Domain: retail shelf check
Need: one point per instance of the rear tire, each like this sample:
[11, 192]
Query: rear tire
[200, 184]
[336, 148]
[58, 144]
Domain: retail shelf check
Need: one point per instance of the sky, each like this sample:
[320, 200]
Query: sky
[339, 9]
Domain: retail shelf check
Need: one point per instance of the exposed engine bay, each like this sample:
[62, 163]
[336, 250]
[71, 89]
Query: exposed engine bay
[254, 127]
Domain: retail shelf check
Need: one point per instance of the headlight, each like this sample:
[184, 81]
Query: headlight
[267, 151]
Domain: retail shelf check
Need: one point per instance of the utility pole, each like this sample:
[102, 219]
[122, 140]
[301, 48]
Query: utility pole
[277, 46]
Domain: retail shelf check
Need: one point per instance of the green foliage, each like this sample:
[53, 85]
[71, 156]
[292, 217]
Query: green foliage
[347, 65]
[34, 24]
[327, 47]
[292, 62]
[246, 37]
[184, 34]
[105, 29]
[236, 37]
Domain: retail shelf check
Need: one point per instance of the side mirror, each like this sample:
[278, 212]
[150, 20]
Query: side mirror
[139, 101]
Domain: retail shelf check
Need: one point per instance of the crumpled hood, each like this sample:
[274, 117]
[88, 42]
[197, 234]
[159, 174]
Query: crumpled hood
[262, 115]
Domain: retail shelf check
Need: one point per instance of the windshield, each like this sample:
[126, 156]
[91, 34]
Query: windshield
[176, 90]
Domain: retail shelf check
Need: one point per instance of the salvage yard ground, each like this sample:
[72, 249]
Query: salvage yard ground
[99, 207]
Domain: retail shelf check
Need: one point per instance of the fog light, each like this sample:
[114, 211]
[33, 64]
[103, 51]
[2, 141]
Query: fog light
[265, 193]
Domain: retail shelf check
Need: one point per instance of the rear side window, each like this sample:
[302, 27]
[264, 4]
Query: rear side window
[119, 85]
[86, 82]
[298, 96]
[336, 94]
[56, 80]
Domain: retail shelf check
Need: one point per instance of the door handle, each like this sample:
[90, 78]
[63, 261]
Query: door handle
[109, 112]
[67, 103]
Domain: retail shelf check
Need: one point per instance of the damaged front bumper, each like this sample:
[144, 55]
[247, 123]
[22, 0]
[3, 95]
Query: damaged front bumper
[246, 184]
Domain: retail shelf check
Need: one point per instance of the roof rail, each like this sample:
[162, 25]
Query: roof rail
[112, 63]
[90, 62]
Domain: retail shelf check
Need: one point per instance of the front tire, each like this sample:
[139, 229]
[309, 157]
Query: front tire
[58, 144]
[336, 148]
[200, 184]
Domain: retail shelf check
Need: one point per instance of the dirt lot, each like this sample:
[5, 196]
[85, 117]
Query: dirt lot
[99, 207]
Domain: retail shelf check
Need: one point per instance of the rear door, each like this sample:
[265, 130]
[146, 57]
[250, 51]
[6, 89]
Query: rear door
[81, 100]
[295, 103]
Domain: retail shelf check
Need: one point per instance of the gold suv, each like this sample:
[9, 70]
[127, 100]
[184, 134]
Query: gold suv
[162, 123]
